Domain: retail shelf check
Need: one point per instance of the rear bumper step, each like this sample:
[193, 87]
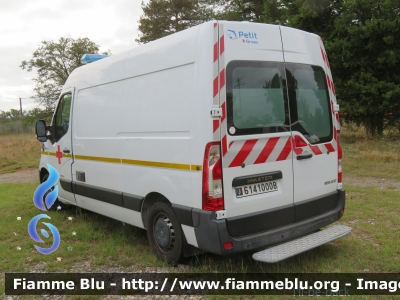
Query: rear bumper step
[303, 244]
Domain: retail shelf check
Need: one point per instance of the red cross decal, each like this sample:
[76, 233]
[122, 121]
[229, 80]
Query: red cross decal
[59, 155]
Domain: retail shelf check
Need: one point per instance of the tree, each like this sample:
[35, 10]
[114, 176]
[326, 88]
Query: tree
[260, 11]
[10, 121]
[29, 118]
[365, 58]
[164, 17]
[54, 62]
[316, 16]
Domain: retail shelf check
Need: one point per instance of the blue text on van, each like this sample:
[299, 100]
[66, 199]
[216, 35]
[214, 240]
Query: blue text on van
[249, 35]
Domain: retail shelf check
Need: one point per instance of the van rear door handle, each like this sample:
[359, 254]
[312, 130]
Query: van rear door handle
[66, 151]
[304, 156]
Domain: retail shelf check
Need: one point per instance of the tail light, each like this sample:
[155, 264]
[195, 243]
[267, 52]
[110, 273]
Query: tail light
[340, 173]
[213, 197]
[340, 153]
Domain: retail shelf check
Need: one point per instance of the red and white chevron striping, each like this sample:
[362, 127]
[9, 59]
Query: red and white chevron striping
[264, 150]
[222, 90]
[215, 125]
[332, 92]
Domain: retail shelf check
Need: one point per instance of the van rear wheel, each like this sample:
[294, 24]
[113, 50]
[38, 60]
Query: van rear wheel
[165, 233]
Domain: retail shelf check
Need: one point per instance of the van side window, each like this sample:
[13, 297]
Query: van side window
[310, 109]
[62, 116]
[256, 97]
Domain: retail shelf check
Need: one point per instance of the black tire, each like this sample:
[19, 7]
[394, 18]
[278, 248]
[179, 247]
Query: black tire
[57, 202]
[165, 233]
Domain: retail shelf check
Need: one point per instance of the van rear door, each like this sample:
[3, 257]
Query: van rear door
[312, 123]
[255, 128]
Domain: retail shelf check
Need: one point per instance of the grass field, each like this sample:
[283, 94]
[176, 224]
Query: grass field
[102, 243]
[367, 157]
[373, 214]
[18, 151]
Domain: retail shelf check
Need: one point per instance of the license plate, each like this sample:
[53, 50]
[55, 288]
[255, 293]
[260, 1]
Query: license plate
[255, 189]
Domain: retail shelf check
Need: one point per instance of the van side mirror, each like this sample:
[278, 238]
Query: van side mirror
[41, 132]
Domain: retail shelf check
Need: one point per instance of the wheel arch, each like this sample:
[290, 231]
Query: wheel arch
[42, 173]
[148, 202]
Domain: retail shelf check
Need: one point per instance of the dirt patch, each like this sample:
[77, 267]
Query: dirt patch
[386, 184]
[28, 175]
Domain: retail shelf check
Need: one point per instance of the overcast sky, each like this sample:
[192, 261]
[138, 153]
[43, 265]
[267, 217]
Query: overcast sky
[24, 24]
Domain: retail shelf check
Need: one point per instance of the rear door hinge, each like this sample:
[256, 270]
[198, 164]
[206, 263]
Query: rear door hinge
[216, 112]
[336, 107]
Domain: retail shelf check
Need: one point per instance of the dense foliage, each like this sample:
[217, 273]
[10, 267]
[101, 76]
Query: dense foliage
[163, 17]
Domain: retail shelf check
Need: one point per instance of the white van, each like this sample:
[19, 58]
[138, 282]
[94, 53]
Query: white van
[221, 138]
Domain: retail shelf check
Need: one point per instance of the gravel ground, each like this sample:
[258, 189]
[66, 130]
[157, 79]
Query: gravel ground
[380, 183]
[86, 267]
[29, 175]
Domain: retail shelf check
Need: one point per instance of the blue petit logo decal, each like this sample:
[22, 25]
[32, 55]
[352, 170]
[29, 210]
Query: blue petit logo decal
[41, 203]
[245, 37]
[232, 34]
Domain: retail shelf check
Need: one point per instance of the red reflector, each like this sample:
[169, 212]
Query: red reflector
[299, 142]
[228, 245]
[217, 170]
[340, 177]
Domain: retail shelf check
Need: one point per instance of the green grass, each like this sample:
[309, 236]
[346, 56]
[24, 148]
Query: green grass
[103, 243]
[369, 157]
[372, 213]
[98, 239]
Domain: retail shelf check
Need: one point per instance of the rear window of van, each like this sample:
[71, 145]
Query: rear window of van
[310, 109]
[264, 97]
[256, 97]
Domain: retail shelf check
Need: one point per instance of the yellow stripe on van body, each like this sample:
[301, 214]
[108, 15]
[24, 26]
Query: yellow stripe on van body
[196, 167]
[175, 166]
[156, 164]
[98, 158]
[54, 154]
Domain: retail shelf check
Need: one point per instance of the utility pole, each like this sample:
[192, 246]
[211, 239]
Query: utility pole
[20, 104]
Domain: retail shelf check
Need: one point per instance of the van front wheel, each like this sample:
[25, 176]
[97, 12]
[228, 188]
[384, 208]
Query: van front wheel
[165, 233]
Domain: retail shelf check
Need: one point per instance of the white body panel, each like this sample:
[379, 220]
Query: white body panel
[268, 48]
[309, 175]
[141, 122]
[138, 114]
[59, 155]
